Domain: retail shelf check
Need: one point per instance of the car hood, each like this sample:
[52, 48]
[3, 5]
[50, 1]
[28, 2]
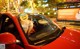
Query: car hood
[71, 35]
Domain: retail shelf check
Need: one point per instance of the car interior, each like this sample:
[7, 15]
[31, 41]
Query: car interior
[7, 25]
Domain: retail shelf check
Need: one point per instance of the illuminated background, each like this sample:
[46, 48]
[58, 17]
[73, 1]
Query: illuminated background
[45, 7]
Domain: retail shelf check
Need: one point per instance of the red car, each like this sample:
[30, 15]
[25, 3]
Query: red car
[46, 34]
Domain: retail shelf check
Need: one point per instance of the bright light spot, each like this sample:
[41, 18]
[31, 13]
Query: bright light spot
[45, 5]
[65, 7]
[54, 9]
[28, 10]
[42, 13]
[48, 13]
[55, 13]
[38, 13]
[17, 41]
[72, 6]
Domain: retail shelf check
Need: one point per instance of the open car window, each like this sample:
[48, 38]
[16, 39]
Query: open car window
[0, 23]
[8, 25]
[43, 31]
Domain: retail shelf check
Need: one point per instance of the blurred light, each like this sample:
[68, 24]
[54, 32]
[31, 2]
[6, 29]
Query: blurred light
[55, 13]
[45, 5]
[23, 0]
[45, 0]
[72, 6]
[65, 7]
[48, 13]
[54, 9]
[38, 13]
[39, 1]
[42, 13]
[27, 10]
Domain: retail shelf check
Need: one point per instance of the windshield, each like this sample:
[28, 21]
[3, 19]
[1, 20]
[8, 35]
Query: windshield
[38, 29]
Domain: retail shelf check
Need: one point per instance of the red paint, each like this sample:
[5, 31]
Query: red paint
[7, 38]
[70, 39]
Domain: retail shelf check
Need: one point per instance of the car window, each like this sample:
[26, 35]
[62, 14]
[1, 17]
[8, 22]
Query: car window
[43, 31]
[0, 23]
[7, 25]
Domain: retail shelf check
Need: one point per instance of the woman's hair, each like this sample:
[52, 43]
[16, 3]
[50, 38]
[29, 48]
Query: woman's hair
[23, 18]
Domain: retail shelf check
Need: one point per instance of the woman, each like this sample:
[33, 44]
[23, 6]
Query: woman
[26, 24]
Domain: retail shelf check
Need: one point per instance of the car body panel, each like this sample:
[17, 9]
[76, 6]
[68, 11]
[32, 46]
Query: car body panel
[7, 38]
[69, 39]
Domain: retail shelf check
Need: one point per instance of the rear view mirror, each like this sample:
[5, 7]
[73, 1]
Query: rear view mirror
[7, 38]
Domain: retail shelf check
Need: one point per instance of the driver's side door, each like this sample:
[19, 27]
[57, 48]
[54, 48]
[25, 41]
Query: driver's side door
[8, 25]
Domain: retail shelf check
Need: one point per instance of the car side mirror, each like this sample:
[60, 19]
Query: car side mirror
[7, 38]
